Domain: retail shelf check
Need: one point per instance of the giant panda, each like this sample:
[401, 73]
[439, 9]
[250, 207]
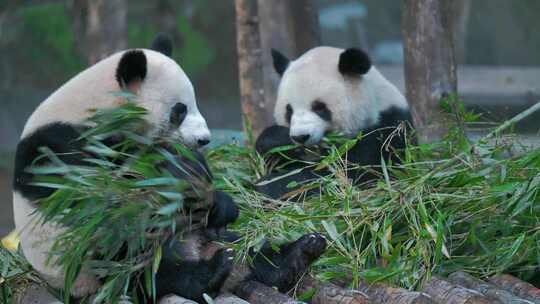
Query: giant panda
[160, 86]
[332, 89]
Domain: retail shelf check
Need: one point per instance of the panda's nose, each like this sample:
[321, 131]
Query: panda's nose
[301, 139]
[203, 142]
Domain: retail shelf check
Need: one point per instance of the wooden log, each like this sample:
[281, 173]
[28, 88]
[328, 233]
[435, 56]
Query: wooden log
[258, 293]
[382, 293]
[516, 286]
[443, 291]
[34, 293]
[328, 293]
[229, 299]
[174, 299]
[492, 292]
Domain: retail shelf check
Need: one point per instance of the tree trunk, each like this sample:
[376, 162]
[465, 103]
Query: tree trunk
[304, 16]
[461, 10]
[257, 113]
[430, 69]
[100, 27]
[275, 33]
[292, 27]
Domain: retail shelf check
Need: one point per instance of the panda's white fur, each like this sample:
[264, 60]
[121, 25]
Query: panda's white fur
[355, 102]
[164, 85]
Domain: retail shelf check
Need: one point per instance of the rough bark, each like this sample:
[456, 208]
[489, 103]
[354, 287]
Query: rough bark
[275, 33]
[443, 291]
[381, 293]
[516, 286]
[490, 291]
[430, 69]
[258, 293]
[100, 27]
[328, 293]
[250, 67]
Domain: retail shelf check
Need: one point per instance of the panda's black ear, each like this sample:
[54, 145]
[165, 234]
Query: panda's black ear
[280, 62]
[354, 62]
[131, 68]
[163, 44]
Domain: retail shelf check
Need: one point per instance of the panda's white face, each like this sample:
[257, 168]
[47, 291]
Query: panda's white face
[314, 97]
[170, 98]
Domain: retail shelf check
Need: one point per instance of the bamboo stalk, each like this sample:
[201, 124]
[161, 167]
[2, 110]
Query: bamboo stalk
[443, 291]
[513, 120]
[516, 286]
[489, 290]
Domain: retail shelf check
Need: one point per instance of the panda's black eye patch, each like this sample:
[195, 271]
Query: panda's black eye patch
[178, 114]
[288, 113]
[320, 108]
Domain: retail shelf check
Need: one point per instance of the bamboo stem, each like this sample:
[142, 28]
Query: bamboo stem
[513, 120]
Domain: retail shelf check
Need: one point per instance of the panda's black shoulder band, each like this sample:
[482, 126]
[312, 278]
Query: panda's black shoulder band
[132, 67]
[163, 44]
[354, 62]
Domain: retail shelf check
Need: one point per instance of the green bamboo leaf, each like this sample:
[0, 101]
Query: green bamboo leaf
[158, 181]
[169, 209]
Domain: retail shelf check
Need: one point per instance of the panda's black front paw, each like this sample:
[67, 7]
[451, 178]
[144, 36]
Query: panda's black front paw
[223, 212]
[272, 137]
[283, 269]
[222, 261]
[310, 245]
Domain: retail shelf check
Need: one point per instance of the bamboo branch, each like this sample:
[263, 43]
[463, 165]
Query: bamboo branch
[513, 120]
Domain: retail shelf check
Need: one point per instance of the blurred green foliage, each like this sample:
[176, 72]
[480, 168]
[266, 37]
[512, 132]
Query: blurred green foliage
[48, 29]
[196, 53]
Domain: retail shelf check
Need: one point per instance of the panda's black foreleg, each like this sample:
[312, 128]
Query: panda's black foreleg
[192, 279]
[283, 269]
[272, 137]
